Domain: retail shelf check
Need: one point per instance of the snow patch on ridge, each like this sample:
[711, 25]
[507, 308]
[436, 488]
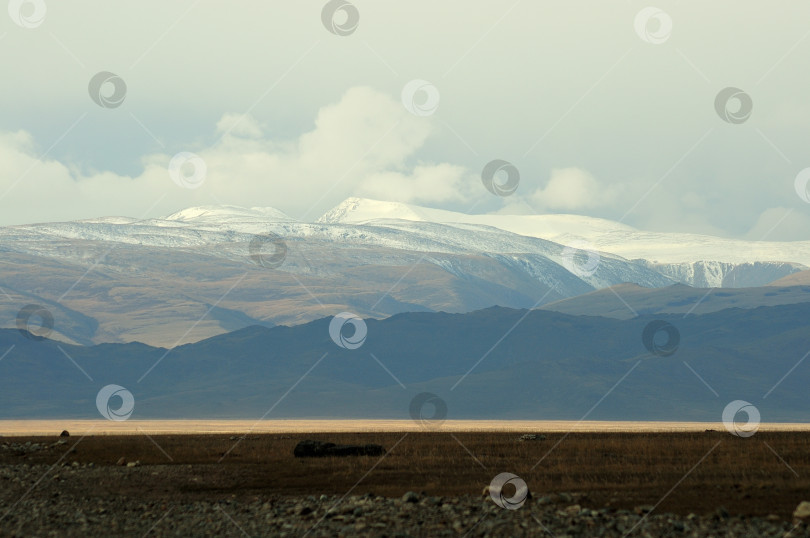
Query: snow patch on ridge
[228, 212]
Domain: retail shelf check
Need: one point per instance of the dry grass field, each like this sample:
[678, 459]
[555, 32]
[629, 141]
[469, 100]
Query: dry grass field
[768, 473]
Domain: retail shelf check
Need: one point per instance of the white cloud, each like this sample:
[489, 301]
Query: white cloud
[572, 189]
[781, 224]
[644, 121]
[361, 144]
[240, 125]
[426, 184]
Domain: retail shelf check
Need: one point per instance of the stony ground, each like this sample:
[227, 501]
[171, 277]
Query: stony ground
[424, 485]
[43, 500]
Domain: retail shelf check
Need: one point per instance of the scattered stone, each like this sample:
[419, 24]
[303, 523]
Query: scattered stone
[121, 461]
[133, 463]
[59, 506]
[303, 510]
[573, 510]
[319, 449]
[25, 448]
[802, 511]
[643, 509]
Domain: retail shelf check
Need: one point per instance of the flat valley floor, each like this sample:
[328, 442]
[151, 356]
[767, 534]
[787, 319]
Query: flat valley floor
[78, 428]
[691, 483]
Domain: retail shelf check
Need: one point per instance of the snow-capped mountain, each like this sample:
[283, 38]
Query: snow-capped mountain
[696, 260]
[228, 216]
[198, 272]
[550, 227]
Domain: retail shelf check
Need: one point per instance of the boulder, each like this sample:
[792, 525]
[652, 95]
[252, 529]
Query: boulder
[64, 433]
[319, 449]
[311, 449]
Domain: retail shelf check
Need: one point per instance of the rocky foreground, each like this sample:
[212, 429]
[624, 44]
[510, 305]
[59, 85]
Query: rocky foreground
[38, 500]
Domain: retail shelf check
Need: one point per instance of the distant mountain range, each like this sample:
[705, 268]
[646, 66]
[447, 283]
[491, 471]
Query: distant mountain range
[210, 270]
[496, 363]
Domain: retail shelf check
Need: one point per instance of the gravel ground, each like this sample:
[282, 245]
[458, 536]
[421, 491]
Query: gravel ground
[40, 500]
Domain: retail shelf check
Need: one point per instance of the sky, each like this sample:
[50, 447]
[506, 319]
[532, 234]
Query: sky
[605, 109]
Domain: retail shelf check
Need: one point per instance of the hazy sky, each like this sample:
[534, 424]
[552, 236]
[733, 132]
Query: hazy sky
[602, 114]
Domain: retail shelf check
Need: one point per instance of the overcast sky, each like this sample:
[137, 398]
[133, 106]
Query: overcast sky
[602, 114]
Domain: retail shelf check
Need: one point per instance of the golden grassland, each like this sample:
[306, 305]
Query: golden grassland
[297, 426]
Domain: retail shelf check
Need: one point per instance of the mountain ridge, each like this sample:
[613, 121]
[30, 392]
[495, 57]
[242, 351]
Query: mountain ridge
[605, 234]
[116, 279]
[495, 363]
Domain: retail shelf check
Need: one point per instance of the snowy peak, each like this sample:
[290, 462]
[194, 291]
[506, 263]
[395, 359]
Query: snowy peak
[361, 210]
[364, 210]
[225, 213]
[680, 250]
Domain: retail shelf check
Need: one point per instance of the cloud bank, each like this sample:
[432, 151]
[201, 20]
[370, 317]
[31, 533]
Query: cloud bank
[366, 144]
[362, 145]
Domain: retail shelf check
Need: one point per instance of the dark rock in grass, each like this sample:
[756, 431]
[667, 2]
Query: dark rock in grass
[319, 449]
[64, 433]
[311, 449]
